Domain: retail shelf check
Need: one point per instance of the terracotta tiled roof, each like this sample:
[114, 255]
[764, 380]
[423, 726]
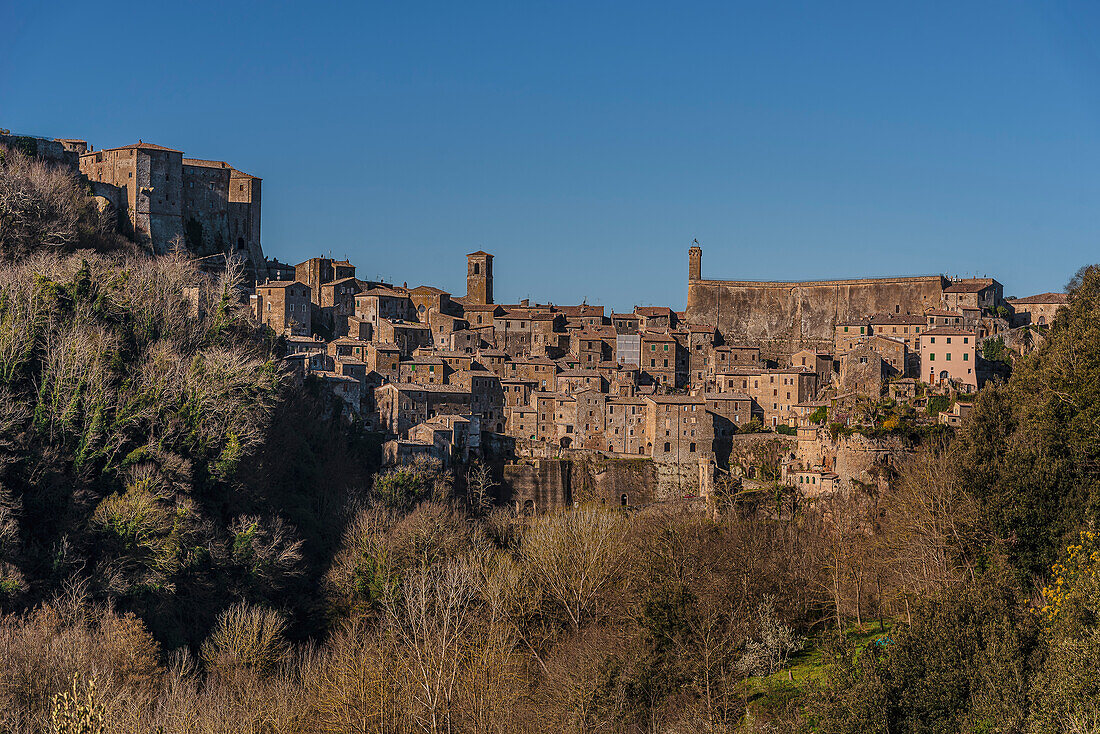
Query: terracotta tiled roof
[651, 311]
[901, 319]
[205, 164]
[145, 146]
[676, 399]
[1042, 298]
[948, 331]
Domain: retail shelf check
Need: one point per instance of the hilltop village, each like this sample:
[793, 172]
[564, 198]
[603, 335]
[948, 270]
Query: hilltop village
[818, 384]
[540, 385]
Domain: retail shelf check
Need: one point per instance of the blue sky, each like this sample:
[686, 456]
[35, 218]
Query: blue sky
[587, 144]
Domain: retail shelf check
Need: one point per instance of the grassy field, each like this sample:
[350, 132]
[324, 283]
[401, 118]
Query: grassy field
[775, 692]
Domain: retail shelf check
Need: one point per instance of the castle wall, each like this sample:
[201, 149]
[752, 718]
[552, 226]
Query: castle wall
[782, 318]
[205, 216]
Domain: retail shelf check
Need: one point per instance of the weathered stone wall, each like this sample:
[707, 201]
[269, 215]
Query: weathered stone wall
[784, 317]
[758, 455]
[204, 211]
[538, 485]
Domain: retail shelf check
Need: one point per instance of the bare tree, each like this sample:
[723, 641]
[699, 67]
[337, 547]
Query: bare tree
[430, 620]
[575, 557]
[479, 487]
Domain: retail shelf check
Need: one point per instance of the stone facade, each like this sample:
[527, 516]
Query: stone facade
[209, 206]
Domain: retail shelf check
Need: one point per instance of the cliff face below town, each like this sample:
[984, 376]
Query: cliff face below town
[537, 485]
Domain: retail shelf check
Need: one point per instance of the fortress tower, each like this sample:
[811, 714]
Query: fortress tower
[695, 262]
[479, 278]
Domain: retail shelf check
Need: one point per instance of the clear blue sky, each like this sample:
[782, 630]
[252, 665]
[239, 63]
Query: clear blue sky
[586, 144]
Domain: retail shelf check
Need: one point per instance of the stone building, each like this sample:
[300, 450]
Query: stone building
[422, 370]
[862, 372]
[577, 380]
[625, 426]
[284, 306]
[820, 363]
[1037, 310]
[213, 208]
[376, 304]
[975, 293]
[949, 354]
[775, 392]
[678, 429]
[317, 271]
[663, 359]
[400, 406]
[904, 327]
[894, 354]
[730, 411]
[849, 333]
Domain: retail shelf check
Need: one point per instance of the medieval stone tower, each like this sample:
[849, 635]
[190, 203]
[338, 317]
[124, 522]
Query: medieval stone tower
[695, 262]
[479, 277]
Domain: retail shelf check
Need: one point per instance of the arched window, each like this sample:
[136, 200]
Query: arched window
[622, 500]
[477, 268]
[668, 446]
[691, 448]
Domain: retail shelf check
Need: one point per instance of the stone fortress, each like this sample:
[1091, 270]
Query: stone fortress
[162, 198]
[783, 317]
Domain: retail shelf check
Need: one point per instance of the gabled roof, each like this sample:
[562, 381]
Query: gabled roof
[338, 282]
[205, 163]
[281, 284]
[676, 399]
[1042, 298]
[428, 290]
[948, 331]
[479, 252]
[582, 310]
[145, 146]
[901, 319]
[382, 291]
[651, 311]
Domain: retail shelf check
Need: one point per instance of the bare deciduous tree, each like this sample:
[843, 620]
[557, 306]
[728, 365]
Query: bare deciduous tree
[575, 558]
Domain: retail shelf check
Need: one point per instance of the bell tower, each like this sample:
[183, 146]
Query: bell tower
[479, 277]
